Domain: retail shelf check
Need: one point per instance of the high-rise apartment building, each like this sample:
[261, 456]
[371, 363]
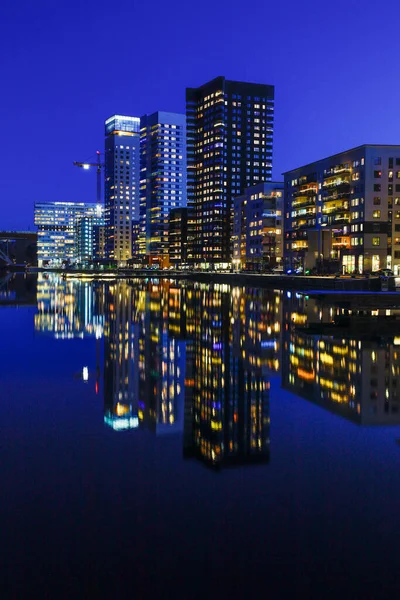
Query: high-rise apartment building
[257, 226]
[121, 184]
[162, 180]
[341, 212]
[229, 138]
[57, 228]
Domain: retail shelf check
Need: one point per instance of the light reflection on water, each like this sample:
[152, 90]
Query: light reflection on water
[205, 371]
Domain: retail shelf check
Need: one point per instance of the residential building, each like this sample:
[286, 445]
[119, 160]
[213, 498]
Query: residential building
[229, 137]
[56, 223]
[340, 212]
[121, 195]
[177, 236]
[257, 227]
[162, 180]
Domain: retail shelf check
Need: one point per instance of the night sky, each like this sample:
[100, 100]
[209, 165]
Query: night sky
[66, 66]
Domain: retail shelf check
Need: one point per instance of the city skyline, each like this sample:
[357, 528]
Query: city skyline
[321, 120]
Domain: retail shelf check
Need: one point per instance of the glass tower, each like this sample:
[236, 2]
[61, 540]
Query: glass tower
[229, 138]
[57, 229]
[162, 180]
[121, 184]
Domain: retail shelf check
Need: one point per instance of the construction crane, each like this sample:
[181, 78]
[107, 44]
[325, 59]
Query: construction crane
[99, 166]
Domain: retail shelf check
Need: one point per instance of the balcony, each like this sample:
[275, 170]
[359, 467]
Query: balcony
[341, 241]
[335, 205]
[338, 219]
[339, 184]
[303, 223]
[304, 214]
[305, 201]
[301, 245]
[305, 191]
[331, 195]
[337, 170]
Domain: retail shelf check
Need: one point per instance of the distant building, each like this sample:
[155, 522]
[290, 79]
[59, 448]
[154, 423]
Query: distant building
[162, 180]
[177, 236]
[257, 226]
[56, 223]
[341, 211]
[229, 138]
[121, 184]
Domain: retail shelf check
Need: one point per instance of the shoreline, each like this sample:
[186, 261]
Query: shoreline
[299, 282]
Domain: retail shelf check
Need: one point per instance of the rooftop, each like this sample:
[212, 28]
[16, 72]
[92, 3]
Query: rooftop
[341, 153]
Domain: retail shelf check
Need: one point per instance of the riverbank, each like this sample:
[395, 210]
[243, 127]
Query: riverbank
[375, 284]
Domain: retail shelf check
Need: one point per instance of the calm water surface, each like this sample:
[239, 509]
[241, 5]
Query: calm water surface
[164, 439]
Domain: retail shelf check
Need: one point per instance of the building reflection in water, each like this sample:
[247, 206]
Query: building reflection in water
[355, 376]
[121, 383]
[179, 358]
[17, 289]
[227, 390]
[69, 308]
[196, 359]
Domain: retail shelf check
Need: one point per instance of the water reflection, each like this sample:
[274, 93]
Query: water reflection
[197, 359]
[69, 308]
[17, 290]
[177, 359]
[352, 371]
[227, 403]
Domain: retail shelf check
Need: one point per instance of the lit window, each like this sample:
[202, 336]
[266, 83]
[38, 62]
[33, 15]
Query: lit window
[376, 241]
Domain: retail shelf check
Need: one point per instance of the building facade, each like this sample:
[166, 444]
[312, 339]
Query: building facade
[57, 228]
[87, 245]
[340, 212]
[99, 242]
[135, 241]
[122, 179]
[257, 227]
[230, 138]
[162, 180]
[177, 236]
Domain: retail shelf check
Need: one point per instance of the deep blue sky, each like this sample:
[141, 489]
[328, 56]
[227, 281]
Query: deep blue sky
[66, 66]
